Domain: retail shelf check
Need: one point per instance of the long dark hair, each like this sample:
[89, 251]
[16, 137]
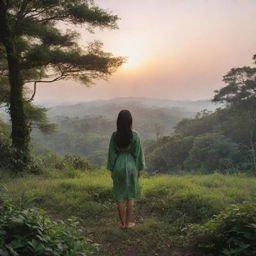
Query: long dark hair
[124, 128]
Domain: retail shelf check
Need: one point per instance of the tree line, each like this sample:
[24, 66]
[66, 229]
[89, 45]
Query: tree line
[223, 140]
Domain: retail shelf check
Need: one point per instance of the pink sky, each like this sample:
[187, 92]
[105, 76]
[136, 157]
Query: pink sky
[177, 49]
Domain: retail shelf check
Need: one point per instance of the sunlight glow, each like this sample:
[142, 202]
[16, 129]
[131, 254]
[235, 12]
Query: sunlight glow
[133, 60]
[131, 63]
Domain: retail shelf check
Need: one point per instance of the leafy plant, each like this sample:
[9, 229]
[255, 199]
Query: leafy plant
[10, 158]
[30, 232]
[231, 233]
[77, 162]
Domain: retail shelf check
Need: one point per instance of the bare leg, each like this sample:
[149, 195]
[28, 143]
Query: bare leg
[129, 214]
[121, 212]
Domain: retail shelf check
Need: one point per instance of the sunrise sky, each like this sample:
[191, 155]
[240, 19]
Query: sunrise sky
[176, 49]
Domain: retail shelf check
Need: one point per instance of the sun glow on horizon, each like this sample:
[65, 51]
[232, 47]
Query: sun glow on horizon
[133, 60]
[130, 63]
[171, 49]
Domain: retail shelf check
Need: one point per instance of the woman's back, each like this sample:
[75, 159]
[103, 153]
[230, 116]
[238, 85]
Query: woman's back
[125, 161]
[134, 148]
[125, 164]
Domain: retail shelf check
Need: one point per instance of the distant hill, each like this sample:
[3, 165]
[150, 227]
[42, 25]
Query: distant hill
[109, 108]
[84, 128]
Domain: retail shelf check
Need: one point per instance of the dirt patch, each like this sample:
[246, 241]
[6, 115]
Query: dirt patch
[139, 241]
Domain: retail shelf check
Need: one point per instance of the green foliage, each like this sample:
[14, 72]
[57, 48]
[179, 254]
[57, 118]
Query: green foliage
[82, 137]
[4, 130]
[230, 233]
[77, 162]
[57, 51]
[167, 205]
[203, 122]
[49, 159]
[168, 153]
[12, 159]
[42, 53]
[240, 86]
[191, 207]
[41, 159]
[30, 232]
[37, 118]
[212, 152]
[7, 155]
[4, 90]
[239, 95]
[223, 140]
[93, 15]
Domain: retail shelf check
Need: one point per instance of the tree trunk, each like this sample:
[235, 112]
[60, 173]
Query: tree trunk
[20, 131]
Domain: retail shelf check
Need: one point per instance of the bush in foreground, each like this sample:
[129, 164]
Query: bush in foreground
[231, 233]
[30, 232]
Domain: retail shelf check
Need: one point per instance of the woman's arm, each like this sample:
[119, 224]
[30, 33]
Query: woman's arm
[139, 155]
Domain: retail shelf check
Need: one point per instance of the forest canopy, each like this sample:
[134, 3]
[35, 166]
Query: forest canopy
[223, 140]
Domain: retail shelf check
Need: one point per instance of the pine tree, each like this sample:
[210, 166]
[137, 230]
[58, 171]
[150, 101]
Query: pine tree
[33, 49]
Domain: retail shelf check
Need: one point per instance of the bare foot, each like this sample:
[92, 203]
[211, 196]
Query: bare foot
[120, 225]
[130, 225]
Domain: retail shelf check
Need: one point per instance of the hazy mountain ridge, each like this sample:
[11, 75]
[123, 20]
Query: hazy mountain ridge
[84, 128]
[108, 108]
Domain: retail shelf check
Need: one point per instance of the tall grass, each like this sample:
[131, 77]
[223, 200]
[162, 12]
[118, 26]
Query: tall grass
[168, 204]
[176, 199]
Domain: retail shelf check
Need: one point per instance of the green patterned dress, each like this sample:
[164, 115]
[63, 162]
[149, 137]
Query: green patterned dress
[125, 165]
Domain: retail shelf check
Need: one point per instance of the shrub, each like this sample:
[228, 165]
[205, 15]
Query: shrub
[77, 162]
[231, 233]
[6, 153]
[30, 232]
[54, 160]
[11, 158]
[50, 159]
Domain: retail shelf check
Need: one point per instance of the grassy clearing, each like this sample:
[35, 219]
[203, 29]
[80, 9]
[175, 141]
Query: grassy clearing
[167, 205]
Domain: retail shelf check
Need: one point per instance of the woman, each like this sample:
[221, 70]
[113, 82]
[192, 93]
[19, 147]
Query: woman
[125, 161]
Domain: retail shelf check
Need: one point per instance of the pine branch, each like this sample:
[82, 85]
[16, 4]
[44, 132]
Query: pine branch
[62, 76]
[20, 14]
